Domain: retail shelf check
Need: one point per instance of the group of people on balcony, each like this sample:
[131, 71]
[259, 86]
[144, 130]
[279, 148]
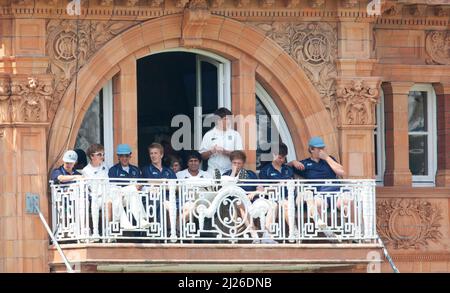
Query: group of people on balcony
[222, 147]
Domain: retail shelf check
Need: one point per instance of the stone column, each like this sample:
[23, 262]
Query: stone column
[125, 107]
[25, 94]
[356, 100]
[397, 143]
[443, 134]
[24, 104]
[243, 95]
[356, 96]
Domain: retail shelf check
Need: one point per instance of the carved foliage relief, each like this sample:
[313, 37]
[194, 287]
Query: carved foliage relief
[408, 223]
[68, 40]
[356, 101]
[314, 47]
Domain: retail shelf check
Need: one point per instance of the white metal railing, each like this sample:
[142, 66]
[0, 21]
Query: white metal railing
[207, 210]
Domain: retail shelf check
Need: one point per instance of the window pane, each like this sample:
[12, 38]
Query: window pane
[263, 122]
[418, 154]
[417, 111]
[92, 126]
[375, 139]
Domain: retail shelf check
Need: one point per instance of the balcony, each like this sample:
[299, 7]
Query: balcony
[207, 225]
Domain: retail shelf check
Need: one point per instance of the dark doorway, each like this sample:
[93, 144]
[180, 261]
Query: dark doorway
[167, 86]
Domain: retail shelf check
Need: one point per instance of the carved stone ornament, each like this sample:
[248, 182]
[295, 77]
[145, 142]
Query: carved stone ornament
[132, 3]
[350, 3]
[292, 3]
[417, 10]
[316, 3]
[156, 3]
[408, 223]
[440, 12]
[267, 3]
[242, 3]
[71, 44]
[391, 8]
[217, 3]
[437, 45]
[5, 102]
[181, 3]
[356, 102]
[30, 99]
[195, 19]
[314, 47]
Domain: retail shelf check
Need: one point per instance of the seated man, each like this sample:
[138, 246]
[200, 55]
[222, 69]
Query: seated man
[66, 174]
[238, 159]
[155, 170]
[197, 177]
[123, 170]
[320, 166]
[96, 170]
[279, 170]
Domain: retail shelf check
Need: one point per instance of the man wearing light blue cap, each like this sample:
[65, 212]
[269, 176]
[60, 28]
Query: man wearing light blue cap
[124, 169]
[319, 166]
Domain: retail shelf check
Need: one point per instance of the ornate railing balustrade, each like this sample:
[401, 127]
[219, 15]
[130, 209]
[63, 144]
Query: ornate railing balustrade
[214, 211]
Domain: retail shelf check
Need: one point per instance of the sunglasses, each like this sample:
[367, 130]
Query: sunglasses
[126, 156]
[98, 154]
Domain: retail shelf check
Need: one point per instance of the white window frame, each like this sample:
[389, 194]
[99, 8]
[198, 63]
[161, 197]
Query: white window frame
[428, 180]
[282, 127]
[108, 122]
[380, 143]
[223, 66]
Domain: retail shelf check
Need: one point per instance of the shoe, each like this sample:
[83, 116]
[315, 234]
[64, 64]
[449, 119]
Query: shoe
[144, 224]
[267, 239]
[335, 237]
[256, 241]
[321, 224]
[95, 237]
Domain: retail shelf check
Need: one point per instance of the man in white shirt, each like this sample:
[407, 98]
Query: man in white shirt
[96, 170]
[219, 142]
[196, 177]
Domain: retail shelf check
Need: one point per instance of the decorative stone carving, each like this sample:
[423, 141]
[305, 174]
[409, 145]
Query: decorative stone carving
[132, 3]
[408, 223]
[314, 47]
[156, 3]
[437, 46]
[440, 12]
[181, 3]
[349, 3]
[194, 20]
[267, 3]
[217, 3]
[69, 46]
[417, 10]
[5, 102]
[356, 102]
[316, 3]
[106, 3]
[242, 3]
[292, 3]
[392, 9]
[198, 4]
[30, 98]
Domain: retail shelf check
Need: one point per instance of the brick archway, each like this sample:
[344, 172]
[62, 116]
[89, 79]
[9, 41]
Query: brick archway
[281, 76]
